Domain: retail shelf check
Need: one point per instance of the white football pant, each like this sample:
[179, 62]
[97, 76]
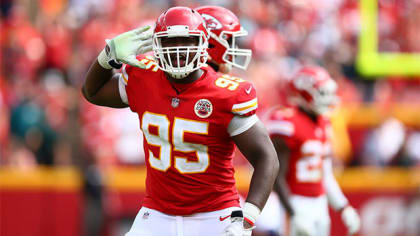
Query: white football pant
[316, 213]
[149, 222]
[272, 217]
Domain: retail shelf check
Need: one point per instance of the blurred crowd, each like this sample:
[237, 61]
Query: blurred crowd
[47, 46]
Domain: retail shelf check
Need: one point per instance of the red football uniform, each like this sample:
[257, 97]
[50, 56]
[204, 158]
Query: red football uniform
[187, 143]
[308, 143]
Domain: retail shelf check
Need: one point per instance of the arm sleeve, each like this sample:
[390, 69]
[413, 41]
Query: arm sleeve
[280, 127]
[121, 87]
[284, 129]
[246, 102]
[125, 87]
[240, 124]
[247, 108]
[335, 196]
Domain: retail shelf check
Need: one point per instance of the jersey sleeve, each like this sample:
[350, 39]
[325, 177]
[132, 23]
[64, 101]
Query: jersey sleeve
[126, 87]
[243, 105]
[280, 125]
[246, 102]
[122, 83]
[240, 124]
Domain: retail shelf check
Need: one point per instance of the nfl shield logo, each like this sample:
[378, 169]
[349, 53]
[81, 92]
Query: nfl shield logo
[175, 102]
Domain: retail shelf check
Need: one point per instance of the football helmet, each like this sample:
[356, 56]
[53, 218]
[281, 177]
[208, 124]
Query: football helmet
[179, 61]
[224, 30]
[313, 89]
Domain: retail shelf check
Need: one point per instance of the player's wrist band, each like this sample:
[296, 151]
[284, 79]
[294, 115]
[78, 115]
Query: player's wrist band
[237, 213]
[251, 213]
[106, 62]
[103, 60]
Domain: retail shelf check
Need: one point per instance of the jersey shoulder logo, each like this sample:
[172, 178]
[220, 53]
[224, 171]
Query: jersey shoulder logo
[203, 108]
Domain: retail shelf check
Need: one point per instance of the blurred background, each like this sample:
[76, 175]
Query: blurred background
[71, 168]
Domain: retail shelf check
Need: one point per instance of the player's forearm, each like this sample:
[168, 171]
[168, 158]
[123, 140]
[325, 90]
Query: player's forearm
[265, 171]
[335, 196]
[95, 79]
[257, 147]
[280, 187]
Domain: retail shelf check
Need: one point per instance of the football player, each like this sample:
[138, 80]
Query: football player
[300, 134]
[191, 118]
[224, 30]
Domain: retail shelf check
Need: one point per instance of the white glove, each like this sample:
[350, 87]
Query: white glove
[301, 226]
[125, 47]
[248, 232]
[236, 228]
[350, 219]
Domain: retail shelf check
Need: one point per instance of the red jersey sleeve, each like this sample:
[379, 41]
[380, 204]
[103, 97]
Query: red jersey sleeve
[281, 124]
[127, 74]
[245, 101]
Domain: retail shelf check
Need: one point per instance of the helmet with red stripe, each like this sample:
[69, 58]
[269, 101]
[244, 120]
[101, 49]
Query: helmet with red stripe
[313, 89]
[173, 30]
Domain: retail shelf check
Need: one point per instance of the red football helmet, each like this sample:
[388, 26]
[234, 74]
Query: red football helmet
[313, 89]
[174, 23]
[224, 29]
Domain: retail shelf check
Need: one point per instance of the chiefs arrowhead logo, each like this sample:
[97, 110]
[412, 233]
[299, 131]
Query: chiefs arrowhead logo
[203, 108]
[211, 22]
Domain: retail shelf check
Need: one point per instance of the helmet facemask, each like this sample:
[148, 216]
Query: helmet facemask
[180, 61]
[321, 100]
[324, 98]
[233, 56]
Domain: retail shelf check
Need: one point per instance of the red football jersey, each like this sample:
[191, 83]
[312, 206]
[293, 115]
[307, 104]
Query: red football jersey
[308, 144]
[187, 145]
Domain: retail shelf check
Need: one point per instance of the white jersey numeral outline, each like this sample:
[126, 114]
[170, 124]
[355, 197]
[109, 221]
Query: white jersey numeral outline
[161, 140]
[309, 166]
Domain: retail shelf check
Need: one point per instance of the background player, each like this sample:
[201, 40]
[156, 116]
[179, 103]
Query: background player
[191, 118]
[225, 30]
[224, 54]
[300, 134]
